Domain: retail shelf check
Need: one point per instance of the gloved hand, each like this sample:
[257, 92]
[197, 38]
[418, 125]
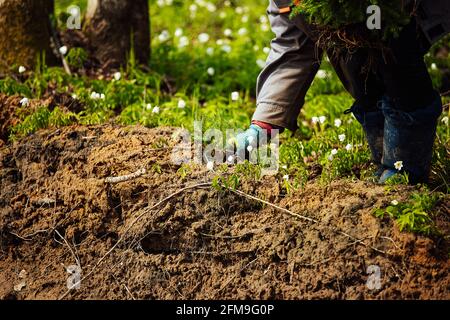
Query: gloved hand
[244, 143]
[248, 140]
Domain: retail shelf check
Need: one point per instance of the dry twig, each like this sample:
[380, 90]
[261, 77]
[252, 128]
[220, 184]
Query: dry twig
[127, 177]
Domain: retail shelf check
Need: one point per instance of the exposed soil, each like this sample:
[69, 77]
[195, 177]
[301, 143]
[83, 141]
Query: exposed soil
[203, 243]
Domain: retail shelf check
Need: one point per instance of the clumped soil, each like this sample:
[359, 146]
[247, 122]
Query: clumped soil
[203, 243]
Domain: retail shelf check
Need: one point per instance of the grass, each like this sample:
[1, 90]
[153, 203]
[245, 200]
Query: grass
[203, 75]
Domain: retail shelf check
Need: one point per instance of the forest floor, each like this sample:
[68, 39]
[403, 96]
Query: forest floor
[174, 236]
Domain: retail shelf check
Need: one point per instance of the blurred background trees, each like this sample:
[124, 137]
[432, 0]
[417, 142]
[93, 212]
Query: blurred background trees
[114, 29]
[24, 32]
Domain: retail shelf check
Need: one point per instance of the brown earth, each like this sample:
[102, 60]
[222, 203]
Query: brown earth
[203, 243]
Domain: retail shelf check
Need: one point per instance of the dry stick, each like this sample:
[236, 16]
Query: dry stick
[144, 212]
[70, 248]
[66, 65]
[445, 93]
[359, 241]
[127, 177]
[272, 205]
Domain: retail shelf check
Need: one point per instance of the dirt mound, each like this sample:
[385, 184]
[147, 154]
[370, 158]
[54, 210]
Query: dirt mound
[56, 212]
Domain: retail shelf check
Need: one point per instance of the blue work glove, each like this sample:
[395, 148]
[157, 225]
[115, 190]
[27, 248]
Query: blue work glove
[245, 142]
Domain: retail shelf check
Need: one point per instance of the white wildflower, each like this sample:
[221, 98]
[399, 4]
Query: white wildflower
[95, 95]
[183, 42]
[181, 104]
[242, 31]
[156, 110]
[25, 102]
[178, 32]
[63, 50]
[398, 165]
[164, 36]
[322, 74]
[226, 48]
[203, 37]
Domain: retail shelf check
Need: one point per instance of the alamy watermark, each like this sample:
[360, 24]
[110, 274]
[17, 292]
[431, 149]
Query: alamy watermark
[74, 19]
[74, 280]
[374, 20]
[374, 279]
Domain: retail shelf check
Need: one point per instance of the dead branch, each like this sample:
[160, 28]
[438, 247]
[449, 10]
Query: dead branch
[271, 205]
[44, 202]
[70, 248]
[127, 177]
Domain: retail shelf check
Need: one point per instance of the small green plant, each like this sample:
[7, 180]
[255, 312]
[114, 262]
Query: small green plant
[40, 119]
[248, 171]
[414, 215]
[184, 171]
[231, 181]
[77, 57]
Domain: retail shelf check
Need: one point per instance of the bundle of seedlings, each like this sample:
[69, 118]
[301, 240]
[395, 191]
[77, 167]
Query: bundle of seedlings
[339, 25]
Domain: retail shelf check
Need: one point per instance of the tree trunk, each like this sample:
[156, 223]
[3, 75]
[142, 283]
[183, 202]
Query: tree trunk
[24, 32]
[113, 25]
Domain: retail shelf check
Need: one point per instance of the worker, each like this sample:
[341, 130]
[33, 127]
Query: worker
[395, 101]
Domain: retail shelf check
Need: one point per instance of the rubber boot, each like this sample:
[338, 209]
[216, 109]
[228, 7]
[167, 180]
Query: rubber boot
[409, 139]
[373, 126]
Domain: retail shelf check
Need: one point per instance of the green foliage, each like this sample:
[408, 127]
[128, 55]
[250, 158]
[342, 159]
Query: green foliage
[10, 86]
[184, 171]
[76, 58]
[231, 181]
[414, 215]
[42, 118]
[338, 14]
